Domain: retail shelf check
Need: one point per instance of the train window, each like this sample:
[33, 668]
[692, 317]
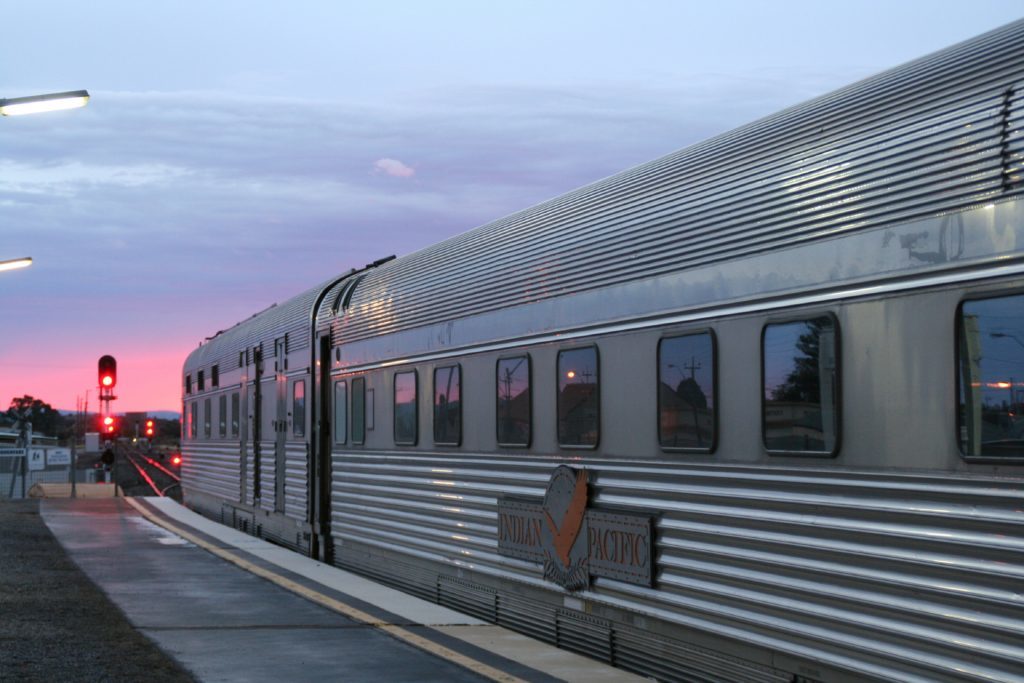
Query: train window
[340, 412]
[578, 398]
[222, 416]
[200, 381]
[991, 377]
[514, 399]
[299, 408]
[215, 376]
[234, 413]
[686, 392]
[206, 418]
[448, 405]
[801, 386]
[193, 419]
[358, 410]
[405, 408]
[241, 359]
[188, 384]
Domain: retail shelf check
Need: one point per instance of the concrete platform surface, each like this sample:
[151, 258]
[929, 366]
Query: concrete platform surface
[231, 607]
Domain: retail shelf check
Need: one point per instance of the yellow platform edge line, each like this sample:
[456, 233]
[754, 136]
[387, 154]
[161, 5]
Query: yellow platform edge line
[349, 611]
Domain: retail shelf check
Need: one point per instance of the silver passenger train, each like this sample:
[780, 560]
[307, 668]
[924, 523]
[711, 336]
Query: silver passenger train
[750, 412]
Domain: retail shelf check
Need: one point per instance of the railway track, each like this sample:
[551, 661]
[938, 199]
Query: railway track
[139, 474]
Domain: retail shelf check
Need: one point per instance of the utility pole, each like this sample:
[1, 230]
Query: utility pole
[25, 439]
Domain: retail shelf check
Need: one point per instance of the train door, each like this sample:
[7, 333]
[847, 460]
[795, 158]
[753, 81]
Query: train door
[238, 413]
[281, 421]
[321, 467]
[256, 422]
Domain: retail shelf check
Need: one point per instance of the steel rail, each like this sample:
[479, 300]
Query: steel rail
[160, 467]
[143, 474]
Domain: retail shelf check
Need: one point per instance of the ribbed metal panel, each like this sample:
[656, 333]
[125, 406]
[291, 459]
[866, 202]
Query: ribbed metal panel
[250, 470]
[211, 468]
[666, 660]
[411, 578]
[468, 597]
[268, 475]
[296, 482]
[527, 616]
[1013, 139]
[588, 635]
[898, 576]
[936, 135]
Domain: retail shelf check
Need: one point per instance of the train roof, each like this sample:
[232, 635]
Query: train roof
[938, 134]
[289, 318]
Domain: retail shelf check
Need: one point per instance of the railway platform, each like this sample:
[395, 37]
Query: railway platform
[224, 606]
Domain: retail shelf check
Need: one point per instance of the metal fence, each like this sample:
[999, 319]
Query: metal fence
[21, 468]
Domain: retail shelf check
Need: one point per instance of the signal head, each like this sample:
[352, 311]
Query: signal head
[108, 371]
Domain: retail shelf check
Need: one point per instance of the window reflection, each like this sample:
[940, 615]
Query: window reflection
[686, 388]
[358, 410]
[578, 402]
[800, 386]
[991, 355]
[234, 414]
[447, 405]
[222, 416]
[340, 412]
[299, 408]
[405, 408]
[207, 417]
[514, 401]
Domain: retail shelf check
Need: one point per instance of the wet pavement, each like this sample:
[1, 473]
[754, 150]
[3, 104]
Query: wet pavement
[55, 624]
[145, 589]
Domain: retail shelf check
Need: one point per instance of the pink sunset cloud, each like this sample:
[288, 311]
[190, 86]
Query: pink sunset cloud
[393, 167]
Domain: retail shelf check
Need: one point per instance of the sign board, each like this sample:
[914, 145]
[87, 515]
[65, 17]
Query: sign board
[56, 457]
[36, 459]
[92, 442]
[12, 452]
[573, 540]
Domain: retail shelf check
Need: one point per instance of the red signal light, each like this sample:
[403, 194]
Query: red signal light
[150, 430]
[109, 425]
[176, 460]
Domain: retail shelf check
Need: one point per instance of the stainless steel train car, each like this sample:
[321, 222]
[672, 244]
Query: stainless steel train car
[750, 412]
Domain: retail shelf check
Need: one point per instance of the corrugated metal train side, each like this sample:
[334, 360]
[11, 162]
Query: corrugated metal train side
[888, 214]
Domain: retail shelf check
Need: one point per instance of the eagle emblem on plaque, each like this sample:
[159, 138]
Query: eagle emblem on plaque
[564, 533]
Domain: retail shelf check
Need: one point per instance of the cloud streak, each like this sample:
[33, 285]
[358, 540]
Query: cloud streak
[394, 168]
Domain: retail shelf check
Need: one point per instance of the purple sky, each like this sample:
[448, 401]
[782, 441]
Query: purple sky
[236, 153]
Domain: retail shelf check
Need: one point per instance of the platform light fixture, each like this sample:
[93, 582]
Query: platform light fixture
[37, 104]
[11, 264]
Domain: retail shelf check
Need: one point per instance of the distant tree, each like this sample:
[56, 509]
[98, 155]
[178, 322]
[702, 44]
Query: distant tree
[803, 385]
[45, 418]
[691, 392]
[168, 430]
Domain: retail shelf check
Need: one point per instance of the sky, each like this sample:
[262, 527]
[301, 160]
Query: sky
[234, 154]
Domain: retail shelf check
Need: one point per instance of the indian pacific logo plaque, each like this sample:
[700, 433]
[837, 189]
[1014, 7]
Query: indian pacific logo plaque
[572, 540]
